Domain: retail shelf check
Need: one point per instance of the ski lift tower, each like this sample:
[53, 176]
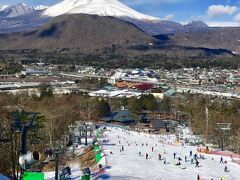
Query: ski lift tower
[57, 150]
[206, 128]
[72, 131]
[225, 130]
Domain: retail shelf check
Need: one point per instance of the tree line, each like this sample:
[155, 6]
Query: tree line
[57, 112]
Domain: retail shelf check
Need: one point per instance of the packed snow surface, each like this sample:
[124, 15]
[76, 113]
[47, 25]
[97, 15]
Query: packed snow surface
[131, 164]
[97, 7]
[128, 164]
[75, 173]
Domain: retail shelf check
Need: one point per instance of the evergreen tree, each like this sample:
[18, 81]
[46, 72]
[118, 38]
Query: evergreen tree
[103, 108]
[45, 91]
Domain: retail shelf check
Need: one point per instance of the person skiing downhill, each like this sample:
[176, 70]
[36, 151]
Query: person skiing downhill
[221, 160]
[146, 155]
[197, 163]
[159, 157]
[174, 155]
[198, 177]
[190, 154]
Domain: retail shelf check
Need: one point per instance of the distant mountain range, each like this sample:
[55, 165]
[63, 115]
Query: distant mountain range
[13, 18]
[70, 24]
[20, 17]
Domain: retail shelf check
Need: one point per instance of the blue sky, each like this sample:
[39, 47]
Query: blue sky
[211, 11]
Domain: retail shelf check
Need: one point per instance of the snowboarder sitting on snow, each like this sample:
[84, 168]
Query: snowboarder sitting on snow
[165, 162]
[179, 158]
[226, 169]
[178, 164]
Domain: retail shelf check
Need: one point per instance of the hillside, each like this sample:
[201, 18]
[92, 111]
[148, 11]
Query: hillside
[86, 32]
[224, 38]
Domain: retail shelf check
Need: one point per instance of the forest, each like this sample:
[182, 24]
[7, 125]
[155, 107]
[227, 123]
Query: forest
[56, 113]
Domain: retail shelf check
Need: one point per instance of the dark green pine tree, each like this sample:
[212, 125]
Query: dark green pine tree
[104, 109]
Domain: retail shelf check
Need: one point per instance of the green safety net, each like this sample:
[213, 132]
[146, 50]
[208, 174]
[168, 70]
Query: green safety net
[32, 176]
[98, 157]
[97, 150]
[97, 153]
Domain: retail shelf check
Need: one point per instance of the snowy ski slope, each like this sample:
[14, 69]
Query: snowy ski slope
[130, 165]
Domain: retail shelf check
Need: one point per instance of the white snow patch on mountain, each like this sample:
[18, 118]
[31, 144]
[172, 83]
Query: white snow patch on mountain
[97, 7]
[3, 6]
[16, 10]
[40, 7]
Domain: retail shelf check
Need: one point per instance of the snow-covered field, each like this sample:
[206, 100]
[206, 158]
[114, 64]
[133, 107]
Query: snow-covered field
[75, 173]
[130, 165]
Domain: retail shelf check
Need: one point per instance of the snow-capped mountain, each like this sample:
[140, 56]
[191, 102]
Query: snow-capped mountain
[16, 10]
[197, 24]
[97, 7]
[2, 7]
[16, 18]
[40, 7]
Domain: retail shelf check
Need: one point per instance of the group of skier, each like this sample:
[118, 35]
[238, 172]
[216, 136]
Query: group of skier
[194, 158]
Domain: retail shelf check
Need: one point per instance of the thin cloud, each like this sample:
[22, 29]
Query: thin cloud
[220, 10]
[237, 18]
[222, 24]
